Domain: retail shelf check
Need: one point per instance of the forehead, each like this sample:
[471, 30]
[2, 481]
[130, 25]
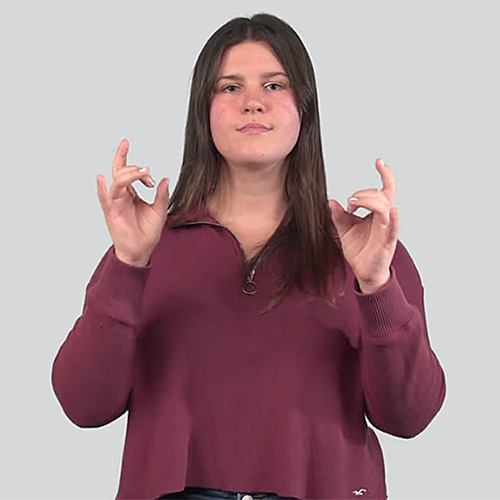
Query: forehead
[249, 56]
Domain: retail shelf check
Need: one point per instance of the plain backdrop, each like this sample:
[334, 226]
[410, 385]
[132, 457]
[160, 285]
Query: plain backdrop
[415, 83]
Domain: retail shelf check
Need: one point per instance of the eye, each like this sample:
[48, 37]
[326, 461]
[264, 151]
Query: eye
[229, 88]
[274, 86]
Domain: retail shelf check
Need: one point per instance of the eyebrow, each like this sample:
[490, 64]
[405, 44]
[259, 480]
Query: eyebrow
[240, 78]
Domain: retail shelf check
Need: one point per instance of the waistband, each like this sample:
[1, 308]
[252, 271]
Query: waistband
[196, 493]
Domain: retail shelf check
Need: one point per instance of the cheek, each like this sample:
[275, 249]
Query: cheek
[217, 113]
[214, 116]
[293, 122]
[219, 127]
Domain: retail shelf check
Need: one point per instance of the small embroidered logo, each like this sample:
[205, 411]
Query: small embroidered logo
[360, 492]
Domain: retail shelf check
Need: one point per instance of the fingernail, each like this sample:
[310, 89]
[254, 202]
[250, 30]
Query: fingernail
[351, 200]
[143, 169]
[381, 161]
[151, 182]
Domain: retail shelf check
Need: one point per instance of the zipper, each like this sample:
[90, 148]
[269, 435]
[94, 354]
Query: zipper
[250, 286]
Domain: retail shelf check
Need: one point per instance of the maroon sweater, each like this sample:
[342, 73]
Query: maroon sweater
[221, 396]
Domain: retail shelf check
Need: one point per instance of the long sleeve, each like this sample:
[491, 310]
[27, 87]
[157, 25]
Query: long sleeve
[92, 371]
[403, 382]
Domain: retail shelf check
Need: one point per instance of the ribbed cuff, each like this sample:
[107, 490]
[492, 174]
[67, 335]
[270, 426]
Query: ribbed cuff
[385, 311]
[121, 287]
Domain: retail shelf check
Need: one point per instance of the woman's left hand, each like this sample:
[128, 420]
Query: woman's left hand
[368, 243]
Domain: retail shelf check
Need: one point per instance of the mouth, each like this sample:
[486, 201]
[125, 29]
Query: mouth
[254, 128]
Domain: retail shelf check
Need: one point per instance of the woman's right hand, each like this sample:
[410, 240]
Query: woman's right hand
[134, 225]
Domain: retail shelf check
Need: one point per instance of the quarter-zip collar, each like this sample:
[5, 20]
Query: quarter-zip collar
[202, 215]
[196, 215]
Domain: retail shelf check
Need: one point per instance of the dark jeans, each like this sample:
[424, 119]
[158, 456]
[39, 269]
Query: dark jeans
[192, 493]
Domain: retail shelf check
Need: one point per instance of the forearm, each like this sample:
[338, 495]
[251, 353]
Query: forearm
[92, 372]
[403, 381]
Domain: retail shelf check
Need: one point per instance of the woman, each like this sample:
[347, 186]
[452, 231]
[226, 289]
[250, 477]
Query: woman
[250, 332]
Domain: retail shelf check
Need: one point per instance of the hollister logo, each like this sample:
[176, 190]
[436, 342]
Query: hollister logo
[360, 492]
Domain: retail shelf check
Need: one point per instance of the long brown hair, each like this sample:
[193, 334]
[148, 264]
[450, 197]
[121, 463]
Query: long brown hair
[306, 232]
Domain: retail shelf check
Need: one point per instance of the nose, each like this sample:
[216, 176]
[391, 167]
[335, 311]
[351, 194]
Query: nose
[253, 102]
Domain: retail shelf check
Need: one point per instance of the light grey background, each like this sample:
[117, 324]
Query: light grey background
[416, 83]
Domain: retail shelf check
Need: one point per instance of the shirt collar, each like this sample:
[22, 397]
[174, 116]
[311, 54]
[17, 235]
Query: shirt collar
[197, 214]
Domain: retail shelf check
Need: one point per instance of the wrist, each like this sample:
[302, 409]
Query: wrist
[131, 261]
[372, 286]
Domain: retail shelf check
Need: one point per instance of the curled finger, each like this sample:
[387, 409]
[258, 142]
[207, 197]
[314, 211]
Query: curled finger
[379, 205]
[126, 177]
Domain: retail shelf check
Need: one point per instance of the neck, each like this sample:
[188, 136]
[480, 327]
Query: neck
[250, 193]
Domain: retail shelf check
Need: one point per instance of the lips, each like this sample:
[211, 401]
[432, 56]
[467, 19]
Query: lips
[254, 127]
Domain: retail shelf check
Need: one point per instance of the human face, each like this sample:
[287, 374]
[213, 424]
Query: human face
[253, 88]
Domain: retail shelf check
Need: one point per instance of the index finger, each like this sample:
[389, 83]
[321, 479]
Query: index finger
[120, 159]
[388, 179]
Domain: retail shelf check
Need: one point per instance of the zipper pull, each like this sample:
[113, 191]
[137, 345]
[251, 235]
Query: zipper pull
[250, 287]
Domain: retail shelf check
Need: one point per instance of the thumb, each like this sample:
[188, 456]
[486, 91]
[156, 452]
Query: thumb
[162, 197]
[341, 219]
[394, 224]
[102, 191]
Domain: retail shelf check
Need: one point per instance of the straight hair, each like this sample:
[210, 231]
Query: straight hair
[314, 260]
